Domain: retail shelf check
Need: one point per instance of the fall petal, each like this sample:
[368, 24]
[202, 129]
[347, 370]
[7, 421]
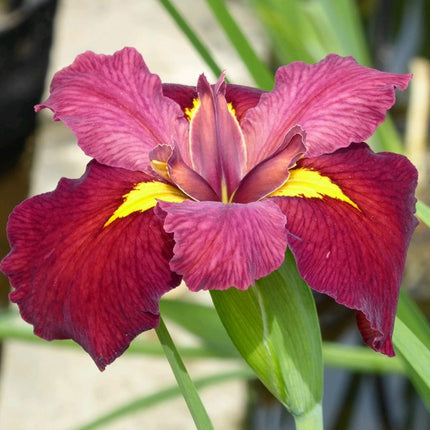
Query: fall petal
[336, 101]
[76, 277]
[352, 246]
[116, 108]
[218, 245]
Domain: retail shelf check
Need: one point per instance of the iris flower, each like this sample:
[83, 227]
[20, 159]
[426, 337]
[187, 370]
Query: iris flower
[210, 185]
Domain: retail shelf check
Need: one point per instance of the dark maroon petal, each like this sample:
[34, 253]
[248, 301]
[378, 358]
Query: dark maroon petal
[336, 101]
[373, 337]
[219, 245]
[184, 95]
[74, 277]
[116, 108]
[217, 148]
[242, 98]
[357, 256]
[271, 173]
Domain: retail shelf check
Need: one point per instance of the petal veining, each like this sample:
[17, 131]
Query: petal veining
[217, 147]
[356, 256]
[116, 108]
[336, 101]
[219, 245]
[74, 277]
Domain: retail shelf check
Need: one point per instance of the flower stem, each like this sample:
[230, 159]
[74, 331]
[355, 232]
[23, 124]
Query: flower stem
[312, 420]
[185, 384]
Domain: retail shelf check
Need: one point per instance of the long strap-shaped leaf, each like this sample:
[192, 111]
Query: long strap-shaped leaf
[144, 403]
[412, 342]
[192, 37]
[186, 385]
[263, 77]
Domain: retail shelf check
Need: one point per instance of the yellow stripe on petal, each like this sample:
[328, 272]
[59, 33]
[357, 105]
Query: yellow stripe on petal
[308, 183]
[144, 196]
[189, 112]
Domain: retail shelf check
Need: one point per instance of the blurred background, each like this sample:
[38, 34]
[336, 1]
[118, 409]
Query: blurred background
[46, 387]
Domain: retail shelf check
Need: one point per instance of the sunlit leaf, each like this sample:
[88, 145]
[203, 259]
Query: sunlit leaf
[411, 339]
[274, 326]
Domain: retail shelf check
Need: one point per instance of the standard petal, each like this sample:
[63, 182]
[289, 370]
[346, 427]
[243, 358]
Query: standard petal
[76, 277]
[353, 248]
[217, 147]
[218, 245]
[336, 101]
[241, 97]
[116, 108]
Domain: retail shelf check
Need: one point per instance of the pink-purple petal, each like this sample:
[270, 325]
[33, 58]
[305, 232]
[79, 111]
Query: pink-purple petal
[217, 148]
[116, 108]
[241, 97]
[357, 256]
[218, 246]
[271, 173]
[336, 101]
[74, 277]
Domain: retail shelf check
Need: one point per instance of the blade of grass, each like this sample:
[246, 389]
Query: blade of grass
[9, 329]
[186, 385]
[256, 67]
[344, 17]
[217, 343]
[360, 359]
[146, 402]
[189, 316]
[412, 341]
[192, 37]
[423, 213]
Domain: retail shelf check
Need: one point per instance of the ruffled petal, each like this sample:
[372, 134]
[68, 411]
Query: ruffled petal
[218, 245]
[353, 248]
[77, 277]
[116, 108]
[336, 101]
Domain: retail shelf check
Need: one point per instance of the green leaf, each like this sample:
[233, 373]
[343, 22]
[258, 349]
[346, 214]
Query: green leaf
[203, 322]
[360, 359]
[163, 395]
[186, 385]
[192, 36]
[411, 339]
[256, 67]
[423, 213]
[275, 328]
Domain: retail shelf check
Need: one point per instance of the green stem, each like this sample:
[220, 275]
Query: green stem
[186, 385]
[312, 420]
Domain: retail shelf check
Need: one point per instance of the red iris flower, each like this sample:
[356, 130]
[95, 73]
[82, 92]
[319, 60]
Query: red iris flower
[210, 184]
